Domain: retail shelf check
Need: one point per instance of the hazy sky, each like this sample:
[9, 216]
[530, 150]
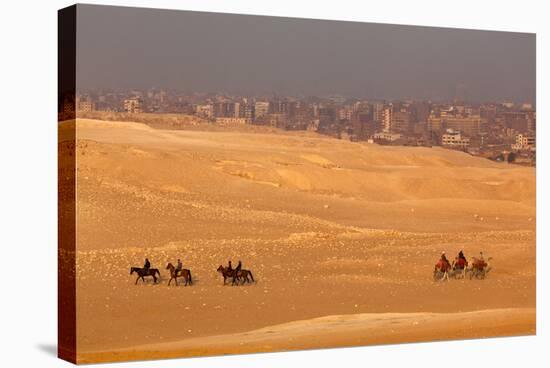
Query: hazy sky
[208, 52]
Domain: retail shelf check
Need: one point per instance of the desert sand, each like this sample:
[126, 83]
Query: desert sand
[341, 238]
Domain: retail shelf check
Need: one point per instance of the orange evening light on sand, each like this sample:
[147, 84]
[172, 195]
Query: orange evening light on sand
[235, 184]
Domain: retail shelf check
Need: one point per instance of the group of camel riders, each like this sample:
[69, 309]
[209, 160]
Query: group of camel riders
[460, 262]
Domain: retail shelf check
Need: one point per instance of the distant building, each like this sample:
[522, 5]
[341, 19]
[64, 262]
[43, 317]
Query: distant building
[226, 109]
[204, 111]
[387, 113]
[232, 121]
[313, 125]
[248, 111]
[133, 105]
[454, 139]
[401, 121]
[277, 120]
[469, 125]
[327, 118]
[261, 108]
[524, 142]
[84, 104]
[520, 121]
[386, 136]
[378, 111]
[345, 113]
[526, 107]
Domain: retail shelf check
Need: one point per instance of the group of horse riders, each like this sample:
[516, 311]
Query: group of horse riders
[179, 266]
[235, 274]
[460, 262]
[230, 267]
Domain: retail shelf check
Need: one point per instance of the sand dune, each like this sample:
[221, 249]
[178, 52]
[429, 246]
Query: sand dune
[328, 227]
[339, 331]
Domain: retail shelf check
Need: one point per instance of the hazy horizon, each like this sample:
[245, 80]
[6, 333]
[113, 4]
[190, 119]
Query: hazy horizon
[125, 48]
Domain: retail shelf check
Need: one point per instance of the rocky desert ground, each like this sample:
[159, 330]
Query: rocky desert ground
[341, 238]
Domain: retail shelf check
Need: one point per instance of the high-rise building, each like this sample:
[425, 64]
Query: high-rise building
[468, 125]
[261, 108]
[439, 121]
[377, 111]
[401, 121]
[387, 113]
[517, 120]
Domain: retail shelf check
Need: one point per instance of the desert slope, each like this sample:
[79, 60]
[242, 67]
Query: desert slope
[328, 227]
[338, 331]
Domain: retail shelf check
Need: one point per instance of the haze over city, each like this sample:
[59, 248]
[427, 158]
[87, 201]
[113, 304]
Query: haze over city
[258, 55]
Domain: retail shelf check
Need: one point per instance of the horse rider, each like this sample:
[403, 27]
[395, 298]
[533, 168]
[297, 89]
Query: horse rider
[179, 267]
[237, 269]
[147, 265]
[229, 267]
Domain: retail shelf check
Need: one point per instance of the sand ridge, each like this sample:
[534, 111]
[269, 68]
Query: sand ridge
[338, 331]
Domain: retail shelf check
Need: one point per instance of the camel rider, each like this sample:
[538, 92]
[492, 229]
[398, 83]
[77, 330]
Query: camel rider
[147, 265]
[444, 259]
[482, 262]
[462, 262]
[179, 267]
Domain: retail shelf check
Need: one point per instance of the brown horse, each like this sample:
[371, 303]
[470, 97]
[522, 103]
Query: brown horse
[235, 275]
[142, 272]
[243, 275]
[185, 273]
[226, 273]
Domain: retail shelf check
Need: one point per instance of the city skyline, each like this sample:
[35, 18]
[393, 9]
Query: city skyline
[254, 55]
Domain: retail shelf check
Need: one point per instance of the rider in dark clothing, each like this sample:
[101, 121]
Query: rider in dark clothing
[237, 269]
[229, 267]
[462, 259]
[179, 267]
[147, 264]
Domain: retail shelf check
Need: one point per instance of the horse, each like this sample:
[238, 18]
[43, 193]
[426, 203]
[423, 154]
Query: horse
[142, 272]
[185, 273]
[441, 270]
[226, 272]
[243, 274]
